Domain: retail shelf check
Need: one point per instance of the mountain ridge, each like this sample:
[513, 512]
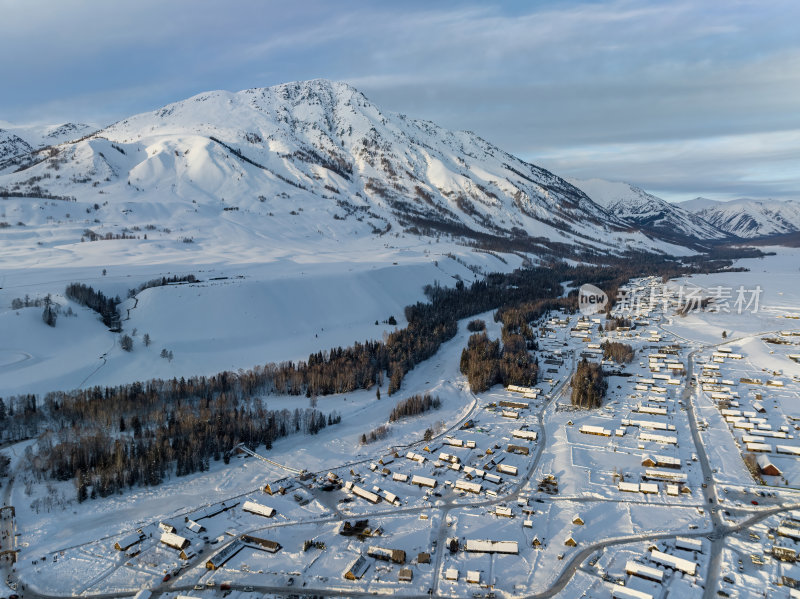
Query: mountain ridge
[322, 150]
[649, 212]
[747, 218]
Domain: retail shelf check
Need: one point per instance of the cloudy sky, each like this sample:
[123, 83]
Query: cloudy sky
[682, 98]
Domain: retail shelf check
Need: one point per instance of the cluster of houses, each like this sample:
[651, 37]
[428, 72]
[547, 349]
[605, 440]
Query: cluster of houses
[648, 576]
[357, 568]
[478, 460]
[786, 538]
[184, 538]
[480, 546]
[184, 541]
[758, 427]
[650, 417]
[494, 450]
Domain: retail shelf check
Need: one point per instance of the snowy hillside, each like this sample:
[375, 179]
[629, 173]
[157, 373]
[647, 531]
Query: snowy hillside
[290, 167]
[18, 142]
[646, 211]
[749, 218]
[308, 216]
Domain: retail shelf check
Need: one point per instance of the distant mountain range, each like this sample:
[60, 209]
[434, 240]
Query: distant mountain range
[317, 159]
[748, 219]
[648, 212]
[16, 141]
[697, 219]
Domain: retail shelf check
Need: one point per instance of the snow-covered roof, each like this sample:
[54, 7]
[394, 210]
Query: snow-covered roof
[637, 569]
[477, 546]
[257, 508]
[671, 561]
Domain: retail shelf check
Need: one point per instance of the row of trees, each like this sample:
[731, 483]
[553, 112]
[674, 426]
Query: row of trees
[106, 307]
[27, 302]
[161, 282]
[475, 326]
[376, 434]
[416, 404]
[614, 322]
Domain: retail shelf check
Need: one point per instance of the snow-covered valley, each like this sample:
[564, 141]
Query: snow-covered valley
[566, 543]
[266, 229]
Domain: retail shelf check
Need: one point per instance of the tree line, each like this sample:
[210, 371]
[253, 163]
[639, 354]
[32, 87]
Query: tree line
[615, 322]
[162, 282]
[146, 450]
[106, 307]
[416, 404]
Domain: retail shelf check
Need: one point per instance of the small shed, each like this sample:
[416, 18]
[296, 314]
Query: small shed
[518, 449]
[195, 527]
[398, 556]
[170, 539]
[647, 572]
[263, 544]
[766, 466]
[128, 541]
[405, 575]
[357, 569]
[423, 481]
[258, 509]
[221, 557]
[166, 527]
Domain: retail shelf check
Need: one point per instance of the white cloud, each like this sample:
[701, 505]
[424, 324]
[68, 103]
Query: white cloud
[756, 164]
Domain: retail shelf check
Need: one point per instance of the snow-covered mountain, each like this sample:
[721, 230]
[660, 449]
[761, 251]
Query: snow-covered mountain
[18, 142]
[648, 212]
[304, 160]
[697, 204]
[749, 218]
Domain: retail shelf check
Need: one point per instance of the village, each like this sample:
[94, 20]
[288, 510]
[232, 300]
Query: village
[523, 493]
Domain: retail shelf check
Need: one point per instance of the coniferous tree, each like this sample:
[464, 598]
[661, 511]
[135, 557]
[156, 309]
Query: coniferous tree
[126, 342]
[49, 315]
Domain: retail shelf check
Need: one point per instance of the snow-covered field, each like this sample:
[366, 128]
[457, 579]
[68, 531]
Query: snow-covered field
[236, 316]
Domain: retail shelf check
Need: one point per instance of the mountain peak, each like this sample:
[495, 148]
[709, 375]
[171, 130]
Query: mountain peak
[750, 218]
[321, 155]
[651, 213]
